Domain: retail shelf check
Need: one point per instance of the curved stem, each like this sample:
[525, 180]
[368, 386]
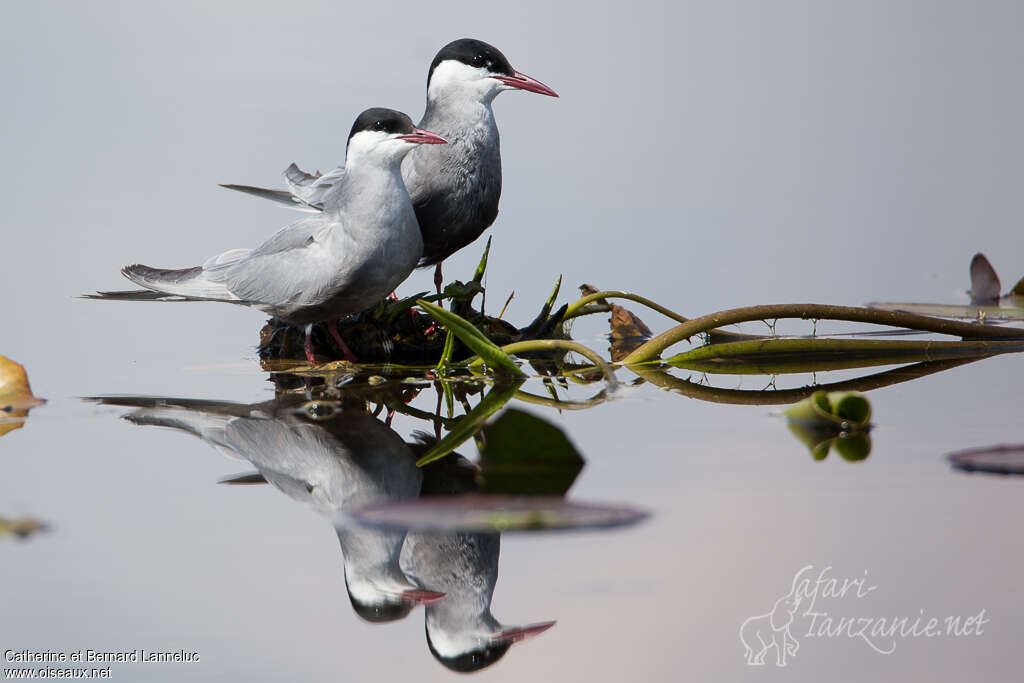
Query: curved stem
[685, 387]
[597, 399]
[561, 345]
[575, 309]
[655, 346]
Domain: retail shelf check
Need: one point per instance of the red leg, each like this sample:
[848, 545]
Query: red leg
[308, 346]
[438, 279]
[332, 327]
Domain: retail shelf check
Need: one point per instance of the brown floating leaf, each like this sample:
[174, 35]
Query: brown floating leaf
[628, 331]
[1004, 459]
[985, 286]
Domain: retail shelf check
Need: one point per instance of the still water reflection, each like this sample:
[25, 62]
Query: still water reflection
[336, 458]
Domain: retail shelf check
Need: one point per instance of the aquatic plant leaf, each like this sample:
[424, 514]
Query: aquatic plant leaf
[820, 439]
[543, 324]
[481, 267]
[1010, 309]
[850, 406]
[474, 339]
[525, 455]
[22, 527]
[16, 397]
[826, 419]
[469, 424]
[785, 356]
[841, 410]
[486, 513]
[628, 332]
[853, 446]
[985, 286]
[402, 305]
[1002, 459]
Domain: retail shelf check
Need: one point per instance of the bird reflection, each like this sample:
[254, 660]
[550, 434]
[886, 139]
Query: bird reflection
[333, 459]
[462, 633]
[336, 458]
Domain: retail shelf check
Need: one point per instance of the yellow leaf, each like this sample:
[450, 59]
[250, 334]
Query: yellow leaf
[16, 397]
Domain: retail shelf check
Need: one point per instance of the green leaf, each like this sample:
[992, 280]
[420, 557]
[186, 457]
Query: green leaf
[469, 424]
[837, 410]
[854, 446]
[474, 339]
[403, 305]
[527, 456]
[478, 276]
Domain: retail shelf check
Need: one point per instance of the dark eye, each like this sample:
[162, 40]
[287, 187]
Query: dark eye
[478, 60]
[379, 125]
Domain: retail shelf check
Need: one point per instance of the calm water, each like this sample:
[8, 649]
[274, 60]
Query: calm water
[707, 156]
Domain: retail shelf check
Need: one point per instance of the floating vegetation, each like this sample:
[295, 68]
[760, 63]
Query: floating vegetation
[21, 527]
[1004, 459]
[429, 338]
[16, 398]
[986, 302]
[836, 419]
[487, 513]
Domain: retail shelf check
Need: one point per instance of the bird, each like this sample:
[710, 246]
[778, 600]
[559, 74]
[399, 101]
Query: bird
[323, 267]
[462, 633]
[454, 189]
[332, 459]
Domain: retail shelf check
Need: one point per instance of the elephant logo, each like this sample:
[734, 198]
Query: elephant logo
[766, 631]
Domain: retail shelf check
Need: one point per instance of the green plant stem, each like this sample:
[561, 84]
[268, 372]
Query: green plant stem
[560, 345]
[576, 309]
[763, 397]
[656, 345]
[446, 353]
[596, 399]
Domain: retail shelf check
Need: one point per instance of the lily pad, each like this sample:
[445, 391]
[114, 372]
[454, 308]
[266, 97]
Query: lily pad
[475, 513]
[525, 455]
[1003, 459]
[1008, 309]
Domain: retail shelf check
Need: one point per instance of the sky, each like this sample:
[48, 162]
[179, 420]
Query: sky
[706, 155]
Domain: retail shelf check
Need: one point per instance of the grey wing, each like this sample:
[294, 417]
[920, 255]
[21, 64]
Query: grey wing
[312, 190]
[292, 267]
[282, 197]
[306, 192]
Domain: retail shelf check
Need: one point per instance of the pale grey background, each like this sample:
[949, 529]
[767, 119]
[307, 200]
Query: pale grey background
[706, 155]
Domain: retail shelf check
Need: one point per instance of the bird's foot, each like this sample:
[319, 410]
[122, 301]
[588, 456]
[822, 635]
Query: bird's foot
[332, 327]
